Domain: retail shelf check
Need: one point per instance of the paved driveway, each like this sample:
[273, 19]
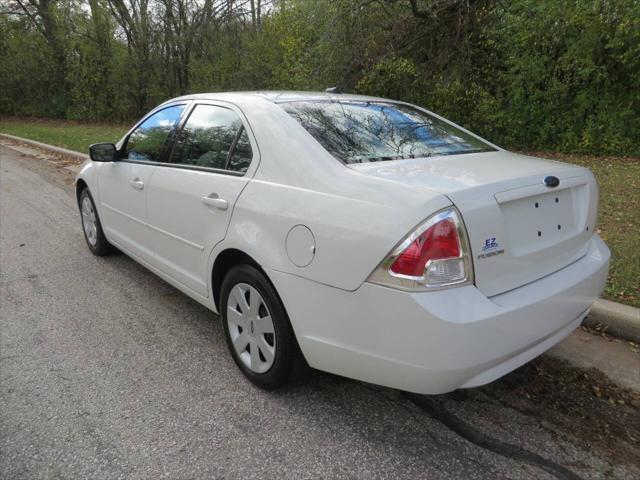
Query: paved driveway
[109, 372]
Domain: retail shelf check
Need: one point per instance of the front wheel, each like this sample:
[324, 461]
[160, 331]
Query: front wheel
[257, 329]
[93, 234]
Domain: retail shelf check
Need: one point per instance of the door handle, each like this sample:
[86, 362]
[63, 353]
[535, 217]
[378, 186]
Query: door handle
[137, 184]
[214, 201]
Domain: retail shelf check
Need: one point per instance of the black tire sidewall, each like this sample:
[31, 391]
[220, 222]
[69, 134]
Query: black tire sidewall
[286, 345]
[102, 246]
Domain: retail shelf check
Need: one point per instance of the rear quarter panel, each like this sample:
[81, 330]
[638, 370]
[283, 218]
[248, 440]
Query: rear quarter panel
[351, 235]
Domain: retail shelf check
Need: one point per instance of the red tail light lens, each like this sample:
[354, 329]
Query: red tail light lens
[437, 242]
[434, 255]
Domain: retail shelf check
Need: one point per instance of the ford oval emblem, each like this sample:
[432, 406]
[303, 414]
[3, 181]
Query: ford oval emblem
[551, 181]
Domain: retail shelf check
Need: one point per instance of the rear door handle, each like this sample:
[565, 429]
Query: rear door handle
[137, 184]
[214, 201]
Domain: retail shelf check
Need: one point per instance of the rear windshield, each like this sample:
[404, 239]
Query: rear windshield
[357, 132]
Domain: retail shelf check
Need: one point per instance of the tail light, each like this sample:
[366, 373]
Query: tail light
[435, 255]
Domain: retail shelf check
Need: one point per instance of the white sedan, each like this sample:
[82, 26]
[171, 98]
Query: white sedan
[361, 236]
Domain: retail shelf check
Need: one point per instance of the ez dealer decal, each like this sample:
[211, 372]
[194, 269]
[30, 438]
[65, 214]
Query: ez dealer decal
[490, 248]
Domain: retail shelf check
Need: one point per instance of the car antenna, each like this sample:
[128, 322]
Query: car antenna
[335, 89]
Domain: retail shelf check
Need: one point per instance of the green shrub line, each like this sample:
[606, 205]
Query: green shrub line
[525, 74]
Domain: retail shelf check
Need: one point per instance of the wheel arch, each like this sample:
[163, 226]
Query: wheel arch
[80, 186]
[224, 262]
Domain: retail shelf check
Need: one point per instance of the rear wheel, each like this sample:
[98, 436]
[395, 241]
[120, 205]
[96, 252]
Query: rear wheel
[93, 234]
[257, 328]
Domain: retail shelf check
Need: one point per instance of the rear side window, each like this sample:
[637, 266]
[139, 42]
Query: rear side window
[213, 137]
[357, 131]
[241, 156]
[147, 141]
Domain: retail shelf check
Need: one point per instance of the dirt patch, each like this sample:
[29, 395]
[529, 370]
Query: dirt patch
[59, 160]
[44, 164]
[584, 404]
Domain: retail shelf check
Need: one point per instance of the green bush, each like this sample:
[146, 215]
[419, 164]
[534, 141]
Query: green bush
[526, 74]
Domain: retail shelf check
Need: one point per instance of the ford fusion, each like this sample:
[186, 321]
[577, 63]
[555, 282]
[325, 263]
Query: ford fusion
[360, 236]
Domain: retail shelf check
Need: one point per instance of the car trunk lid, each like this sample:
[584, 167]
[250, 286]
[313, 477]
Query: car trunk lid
[519, 229]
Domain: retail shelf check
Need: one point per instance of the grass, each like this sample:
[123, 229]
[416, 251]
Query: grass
[72, 135]
[618, 178]
[618, 219]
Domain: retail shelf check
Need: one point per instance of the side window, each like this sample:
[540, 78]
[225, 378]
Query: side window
[241, 156]
[208, 137]
[147, 141]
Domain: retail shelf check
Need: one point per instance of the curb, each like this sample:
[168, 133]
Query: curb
[615, 319]
[50, 148]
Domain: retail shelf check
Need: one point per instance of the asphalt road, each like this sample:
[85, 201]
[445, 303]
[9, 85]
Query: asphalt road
[108, 372]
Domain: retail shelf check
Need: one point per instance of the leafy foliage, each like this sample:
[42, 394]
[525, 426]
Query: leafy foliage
[525, 74]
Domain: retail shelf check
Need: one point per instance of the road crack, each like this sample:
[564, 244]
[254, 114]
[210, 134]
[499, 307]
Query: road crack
[475, 436]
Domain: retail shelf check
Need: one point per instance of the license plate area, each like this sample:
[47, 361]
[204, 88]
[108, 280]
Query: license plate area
[540, 221]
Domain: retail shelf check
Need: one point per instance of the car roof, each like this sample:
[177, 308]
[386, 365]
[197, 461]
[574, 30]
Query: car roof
[278, 96]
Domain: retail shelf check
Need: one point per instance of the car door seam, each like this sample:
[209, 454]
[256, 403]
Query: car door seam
[176, 237]
[130, 217]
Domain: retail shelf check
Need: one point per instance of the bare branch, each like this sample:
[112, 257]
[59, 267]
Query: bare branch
[32, 17]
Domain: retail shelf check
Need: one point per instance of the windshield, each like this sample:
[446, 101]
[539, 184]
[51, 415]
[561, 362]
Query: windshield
[357, 131]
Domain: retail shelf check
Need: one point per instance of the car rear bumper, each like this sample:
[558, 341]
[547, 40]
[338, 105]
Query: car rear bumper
[435, 342]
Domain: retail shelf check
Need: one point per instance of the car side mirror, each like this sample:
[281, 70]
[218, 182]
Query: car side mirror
[103, 152]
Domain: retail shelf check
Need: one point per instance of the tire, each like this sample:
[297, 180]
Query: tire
[91, 226]
[265, 351]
